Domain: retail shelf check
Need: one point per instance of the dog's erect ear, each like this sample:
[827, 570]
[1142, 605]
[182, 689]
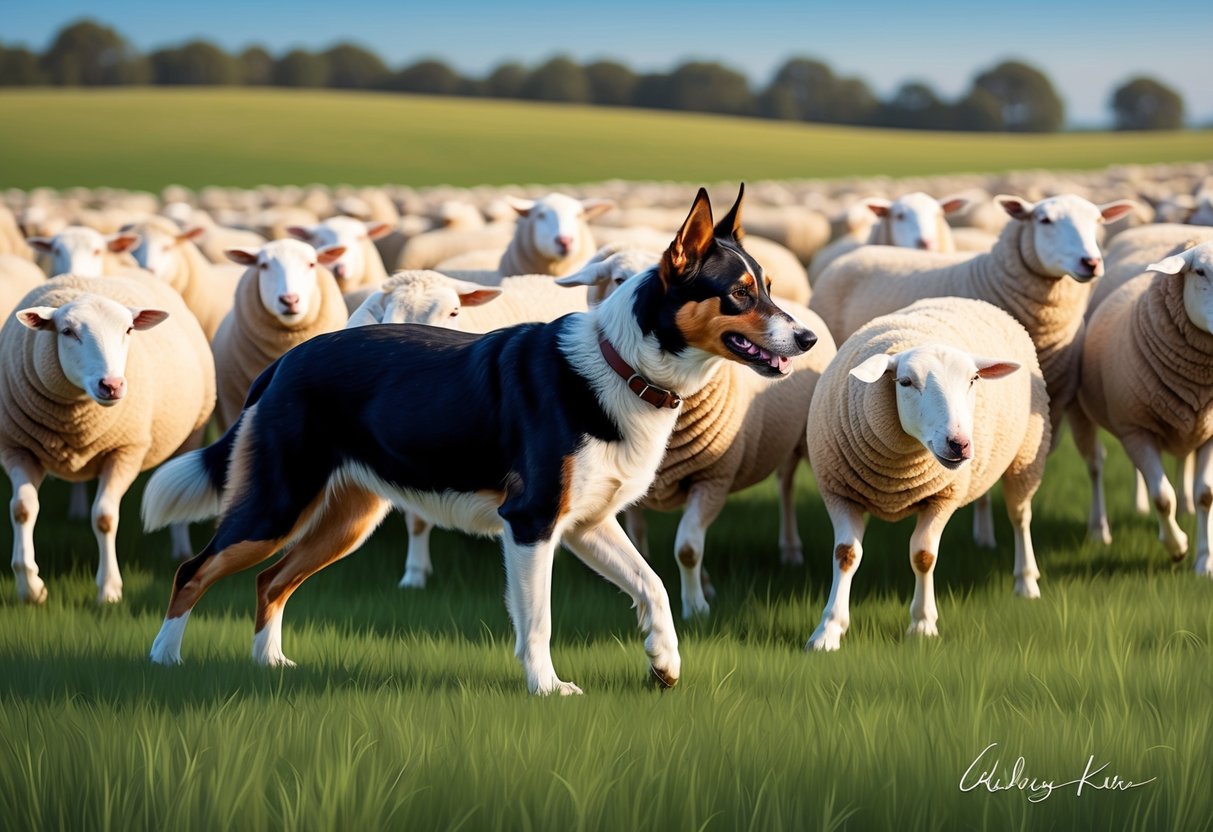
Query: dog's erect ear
[692, 241]
[730, 225]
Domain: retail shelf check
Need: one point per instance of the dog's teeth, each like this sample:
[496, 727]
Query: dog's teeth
[752, 350]
[766, 356]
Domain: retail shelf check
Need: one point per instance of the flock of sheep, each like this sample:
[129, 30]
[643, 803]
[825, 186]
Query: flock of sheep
[914, 299]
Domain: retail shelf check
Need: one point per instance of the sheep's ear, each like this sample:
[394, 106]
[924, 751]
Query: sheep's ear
[952, 204]
[1174, 264]
[473, 294]
[521, 206]
[42, 244]
[1111, 211]
[692, 241]
[147, 318]
[591, 274]
[242, 256]
[37, 317]
[730, 224]
[994, 367]
[299, 232]
[192, 233]
[118, 243]
[329, 254]
[1017, 207]
[375, 230]
[873, 368]
[595, 207]
[879, 207]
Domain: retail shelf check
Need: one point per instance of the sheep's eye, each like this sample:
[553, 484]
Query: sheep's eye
[67, 331]
[619, 281]
[129, 330]
[97, 251]
[1200, 272]
[973, 380]
[455, 312]
[900, 215]
[1046, 221]
[311, 265]
[263, 265]
[905, 382]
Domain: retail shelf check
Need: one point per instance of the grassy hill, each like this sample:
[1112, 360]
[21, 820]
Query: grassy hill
[148, 138]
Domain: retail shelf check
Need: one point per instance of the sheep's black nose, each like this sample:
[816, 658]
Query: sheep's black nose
[804, 338]
[960, 447]
[1091, 263]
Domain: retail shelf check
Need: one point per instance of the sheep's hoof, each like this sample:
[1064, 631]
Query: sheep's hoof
[791, 554]
[35, 594]
[827, 639]
[985, 538]
[277, 661]
[414, 579]
[559, 688]
[1099, 533]
[923, 628]
[1027, 588]
[109, 594]
[1204, 566]
[705, 583]
[695, 608]
[1176, 547]
[663, 678]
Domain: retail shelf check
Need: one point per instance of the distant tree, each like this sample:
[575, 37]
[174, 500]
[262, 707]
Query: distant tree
[197, 62]
[915, 106]
[977, 111]
[610, 83]
[802, 89]
[353, 67]
[86, 53]
[300, 68]
[1147, 104]
[19, 67]
[1028, 101]
[700, 87]
[505, 81]
[852, 102]
[256, 67]
[429, 77]
[558, 79]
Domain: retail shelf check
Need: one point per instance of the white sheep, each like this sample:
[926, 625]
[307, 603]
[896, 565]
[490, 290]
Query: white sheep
[12, 241]
[360, 266]
[552, 235]
[86, 393]
[85, 252]
[429, 248]
[1147, 377]
[283, 299]
[17, 276]
[914, 416]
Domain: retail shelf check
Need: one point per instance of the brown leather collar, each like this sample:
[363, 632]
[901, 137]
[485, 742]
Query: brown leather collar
[658, 397]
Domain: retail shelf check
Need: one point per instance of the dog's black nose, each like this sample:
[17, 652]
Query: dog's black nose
[805, 338]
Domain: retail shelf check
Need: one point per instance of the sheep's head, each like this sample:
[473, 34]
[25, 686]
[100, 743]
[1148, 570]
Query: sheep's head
[351, 267]
[554, 222]
[1195, 267]
[936, 389]
[916, 220]
[159, 247]
[81, 251]
[428, 297]
[93, 336]
[287, 274]
[1066, 231]
[607, 270]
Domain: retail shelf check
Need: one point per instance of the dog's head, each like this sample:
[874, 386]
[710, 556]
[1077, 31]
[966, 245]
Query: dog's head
[717, 299]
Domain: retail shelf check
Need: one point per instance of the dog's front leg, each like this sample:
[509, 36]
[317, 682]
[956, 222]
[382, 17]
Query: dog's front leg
[528, 577]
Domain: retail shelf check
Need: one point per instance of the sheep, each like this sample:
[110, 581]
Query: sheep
[429, 248]
[909, 418]
[552, 235]
[85, 252]
[361, 266]
[173, 256]
[88, 392]
[217, 238]
[427, 297]
[1134, 250]
[12, 241]
[17, 277]
[800, 230]
[282, 300]
[914, 220]
[1147, 377]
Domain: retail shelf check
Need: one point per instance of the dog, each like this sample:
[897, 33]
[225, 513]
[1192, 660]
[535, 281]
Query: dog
[539, 433]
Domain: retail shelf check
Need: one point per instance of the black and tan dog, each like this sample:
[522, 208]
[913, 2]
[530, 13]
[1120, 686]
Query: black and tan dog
[539, 433]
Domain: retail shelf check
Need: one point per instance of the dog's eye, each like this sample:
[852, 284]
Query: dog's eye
[741, 294]
[905, 382]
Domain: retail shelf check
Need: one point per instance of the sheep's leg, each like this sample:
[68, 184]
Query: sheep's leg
[1094, 454]
[528, 576]
[117, 474]
[1204, 505]
[637, 526]
[77, 501]
[983, 522]
[847, 520]
[1187, 479]
[417, 565]
[26, 476]
[791, 551]
[606, 549]
[1141, 497]
[924, 552]
[1019, 486]
[179, 537]
[704, 503]
[1142, 449]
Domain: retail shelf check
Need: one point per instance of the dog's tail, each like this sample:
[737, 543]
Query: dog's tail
[190, 487]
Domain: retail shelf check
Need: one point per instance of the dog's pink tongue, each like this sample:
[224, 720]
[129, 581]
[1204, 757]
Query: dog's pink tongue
[785, 364]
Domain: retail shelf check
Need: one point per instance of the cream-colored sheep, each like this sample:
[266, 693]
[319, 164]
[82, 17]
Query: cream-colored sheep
[85, 252]
[172, 256]
[800, 230]
[12, 241]
[1133, 250]
[283, 299]
[1147, 377]
[17, 276]
[360, 266]
[86, 393]
[552, 235]
[217, 238]
[429, 248]
[914, 416]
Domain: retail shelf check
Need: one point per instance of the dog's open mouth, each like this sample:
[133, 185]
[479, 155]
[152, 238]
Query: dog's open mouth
[763, 361]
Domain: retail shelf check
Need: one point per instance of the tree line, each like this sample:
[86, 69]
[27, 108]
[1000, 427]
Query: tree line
[1010, 97]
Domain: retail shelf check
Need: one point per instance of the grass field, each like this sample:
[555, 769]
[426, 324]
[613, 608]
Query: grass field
[148, 138]
[408, 710]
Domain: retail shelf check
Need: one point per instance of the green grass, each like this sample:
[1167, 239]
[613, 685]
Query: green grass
[408, 710]
[148, 138]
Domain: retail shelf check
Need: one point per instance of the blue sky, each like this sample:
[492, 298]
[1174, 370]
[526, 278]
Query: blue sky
[1086, 48]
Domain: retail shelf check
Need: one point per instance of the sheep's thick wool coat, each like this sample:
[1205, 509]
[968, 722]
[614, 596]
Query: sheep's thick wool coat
[740, 427]
[428, 249]
[17, 277]
[858, 449]
[12, 241]
[789, 279]
[170, 384]
[877, 280]
[1134, 250]
[250, 338]
[522, 257]
[1147, 368]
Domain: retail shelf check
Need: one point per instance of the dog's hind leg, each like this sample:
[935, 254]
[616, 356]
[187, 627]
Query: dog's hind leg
[345, 520]
[417, 566]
